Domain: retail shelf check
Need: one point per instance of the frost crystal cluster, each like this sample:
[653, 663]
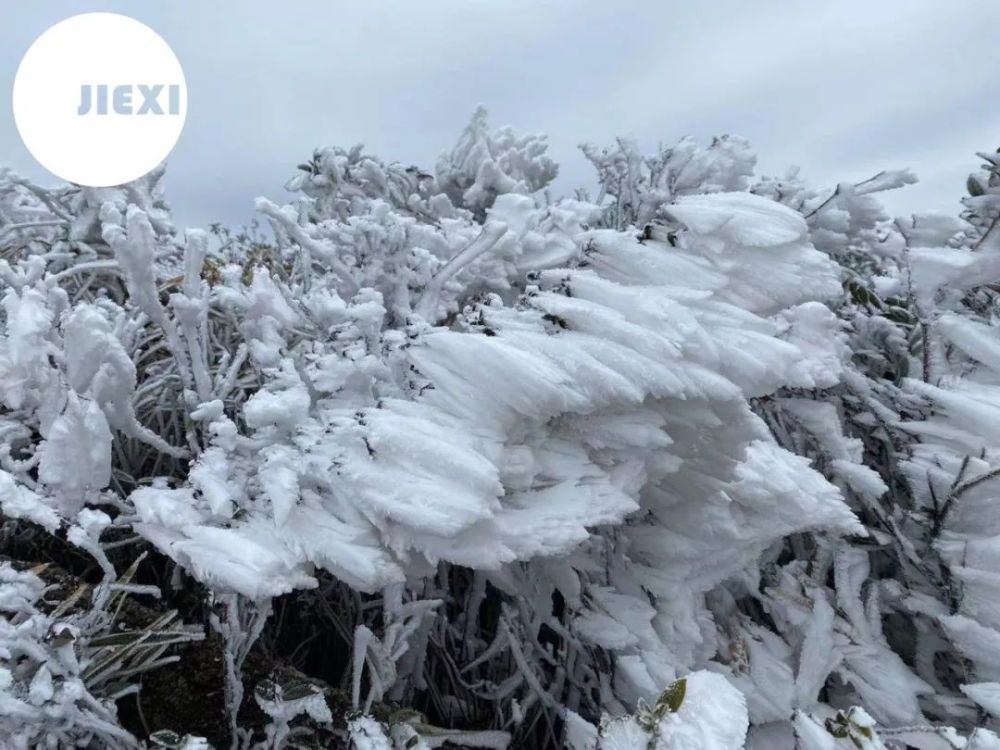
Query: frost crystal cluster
[700, 461]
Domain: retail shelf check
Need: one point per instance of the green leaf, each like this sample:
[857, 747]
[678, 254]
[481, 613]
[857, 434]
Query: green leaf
[861, 295]
[898, 315]
[295, 688]
[671, 698]
[835, 728]
[166, 739]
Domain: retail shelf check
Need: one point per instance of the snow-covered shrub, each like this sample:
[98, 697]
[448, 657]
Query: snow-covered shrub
[532, 460]
[582, 375]
[954, 465]
[810, 632]
[899, 596]
[63, 664]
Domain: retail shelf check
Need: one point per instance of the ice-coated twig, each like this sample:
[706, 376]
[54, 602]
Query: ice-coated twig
[487, 239]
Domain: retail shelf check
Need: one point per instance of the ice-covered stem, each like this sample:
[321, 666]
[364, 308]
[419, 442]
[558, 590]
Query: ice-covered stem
[313, 248]
[484, 243]
[25, 225]
[45, 196]
[948, 736]
[405, 635]
[80, 538]
[243, 624]
[363, 636]
[135, 250]
[923, 323]
[887, 179]
[891, 179]
[524, 667]
[192, 311]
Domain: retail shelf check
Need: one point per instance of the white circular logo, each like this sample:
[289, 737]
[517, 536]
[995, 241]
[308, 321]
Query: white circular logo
[99, 99]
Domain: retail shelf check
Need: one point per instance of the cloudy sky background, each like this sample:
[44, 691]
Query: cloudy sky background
[841, 88]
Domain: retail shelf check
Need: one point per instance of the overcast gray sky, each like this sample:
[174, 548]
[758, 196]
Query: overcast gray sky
[840, 88]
